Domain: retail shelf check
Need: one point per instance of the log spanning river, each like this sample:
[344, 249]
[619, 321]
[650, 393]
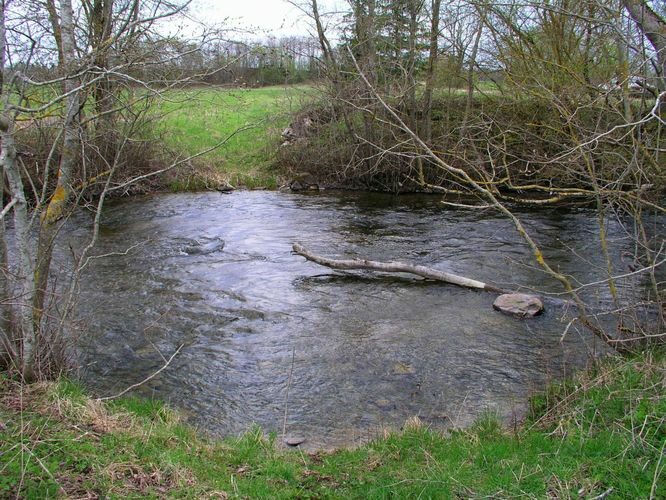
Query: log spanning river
[272, 339]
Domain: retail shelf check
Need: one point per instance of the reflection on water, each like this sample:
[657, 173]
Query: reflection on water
[364, 350]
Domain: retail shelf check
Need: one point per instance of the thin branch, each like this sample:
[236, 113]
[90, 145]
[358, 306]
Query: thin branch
[7, 208]
[147, 379]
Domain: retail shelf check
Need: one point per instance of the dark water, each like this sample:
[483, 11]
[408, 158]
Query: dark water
[355, 352]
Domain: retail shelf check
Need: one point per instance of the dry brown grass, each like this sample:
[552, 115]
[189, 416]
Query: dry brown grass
[131, 479]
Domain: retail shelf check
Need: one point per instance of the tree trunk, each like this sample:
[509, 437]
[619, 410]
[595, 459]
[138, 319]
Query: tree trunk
[23, 331]
[654, 29]
[365, 36]
[7, 344]
[332, 68]
[4, 290]
[326, 49]
[430, 73]
[470, 71]
[414, 11]
[101, 23]
[55, 26]
[58, 203]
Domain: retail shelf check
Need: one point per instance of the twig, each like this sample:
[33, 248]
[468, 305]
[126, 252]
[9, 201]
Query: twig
[150, 377]
[604, 494]
[7, 208]
[566, 330]
[657, 472]
[464, 205]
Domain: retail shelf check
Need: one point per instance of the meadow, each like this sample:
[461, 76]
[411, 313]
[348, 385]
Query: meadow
[246, 123]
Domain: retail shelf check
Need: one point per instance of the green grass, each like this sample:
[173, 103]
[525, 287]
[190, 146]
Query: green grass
[245, 123]
[604, 431]
[197, 119]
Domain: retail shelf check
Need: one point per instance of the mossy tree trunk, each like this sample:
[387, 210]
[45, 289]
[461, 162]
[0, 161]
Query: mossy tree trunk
[57, 206]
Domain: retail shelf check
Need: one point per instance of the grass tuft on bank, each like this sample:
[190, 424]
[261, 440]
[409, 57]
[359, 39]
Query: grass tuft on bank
[602, 433]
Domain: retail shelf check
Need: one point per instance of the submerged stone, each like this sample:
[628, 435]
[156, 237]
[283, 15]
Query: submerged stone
[205, 247]
[519, 304]
[294, 440]
[225, 187]
[402, 369]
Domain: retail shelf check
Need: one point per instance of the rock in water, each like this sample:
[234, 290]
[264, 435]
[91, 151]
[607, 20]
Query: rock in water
[204, 248]
[294, 440]
[304, 181]
[225, 187]
[519, 304]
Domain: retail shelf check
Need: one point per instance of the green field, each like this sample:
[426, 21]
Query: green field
[603, 434]
[194, 120]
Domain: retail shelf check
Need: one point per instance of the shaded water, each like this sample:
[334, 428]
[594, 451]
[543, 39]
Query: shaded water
[355, 352]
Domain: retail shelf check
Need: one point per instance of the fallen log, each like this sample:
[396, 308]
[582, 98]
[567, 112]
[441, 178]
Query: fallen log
[396, 267]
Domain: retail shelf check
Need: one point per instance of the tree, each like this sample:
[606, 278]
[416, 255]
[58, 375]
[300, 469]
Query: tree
[653, 27]
[549, 126]
[107, 64]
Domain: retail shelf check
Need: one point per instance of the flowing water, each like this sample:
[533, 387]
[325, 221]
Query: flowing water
[272, 339]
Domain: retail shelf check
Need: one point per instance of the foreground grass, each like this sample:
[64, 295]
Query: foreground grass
[194, 120]
[601, 434]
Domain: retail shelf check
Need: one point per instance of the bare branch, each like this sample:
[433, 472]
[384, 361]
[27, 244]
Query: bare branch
[147, 379]
[395, 267]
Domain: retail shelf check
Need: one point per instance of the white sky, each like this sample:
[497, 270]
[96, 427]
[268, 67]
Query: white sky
[275, 16]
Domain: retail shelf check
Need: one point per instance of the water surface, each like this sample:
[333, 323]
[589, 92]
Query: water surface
[268, 334]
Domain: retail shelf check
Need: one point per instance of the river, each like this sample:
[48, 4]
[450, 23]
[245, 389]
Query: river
[274, 340]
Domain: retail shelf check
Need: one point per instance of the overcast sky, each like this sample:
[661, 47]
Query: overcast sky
[275, 16]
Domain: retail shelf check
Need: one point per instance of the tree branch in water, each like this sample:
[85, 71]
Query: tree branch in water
[396, 267]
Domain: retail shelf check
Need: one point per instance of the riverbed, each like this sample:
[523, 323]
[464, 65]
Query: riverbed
[335, 358]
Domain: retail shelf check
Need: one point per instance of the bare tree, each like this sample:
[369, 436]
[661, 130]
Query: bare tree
[562, 116]
[653, 27]
[112, 62]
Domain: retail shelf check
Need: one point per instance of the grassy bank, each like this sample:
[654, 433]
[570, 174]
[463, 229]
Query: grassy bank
[194, 120]
[242, 126]
[603, 433]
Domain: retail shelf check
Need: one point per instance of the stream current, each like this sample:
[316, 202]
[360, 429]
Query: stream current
[274, 340]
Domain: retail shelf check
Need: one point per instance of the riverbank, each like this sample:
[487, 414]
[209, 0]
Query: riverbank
[601, 434]
[320, 149]
[234, 136]
[230, 135]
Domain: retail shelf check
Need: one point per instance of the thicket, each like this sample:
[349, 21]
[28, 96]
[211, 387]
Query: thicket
[518, 144]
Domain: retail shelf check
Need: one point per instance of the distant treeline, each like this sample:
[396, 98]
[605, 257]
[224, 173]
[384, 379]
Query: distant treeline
[271, 61]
